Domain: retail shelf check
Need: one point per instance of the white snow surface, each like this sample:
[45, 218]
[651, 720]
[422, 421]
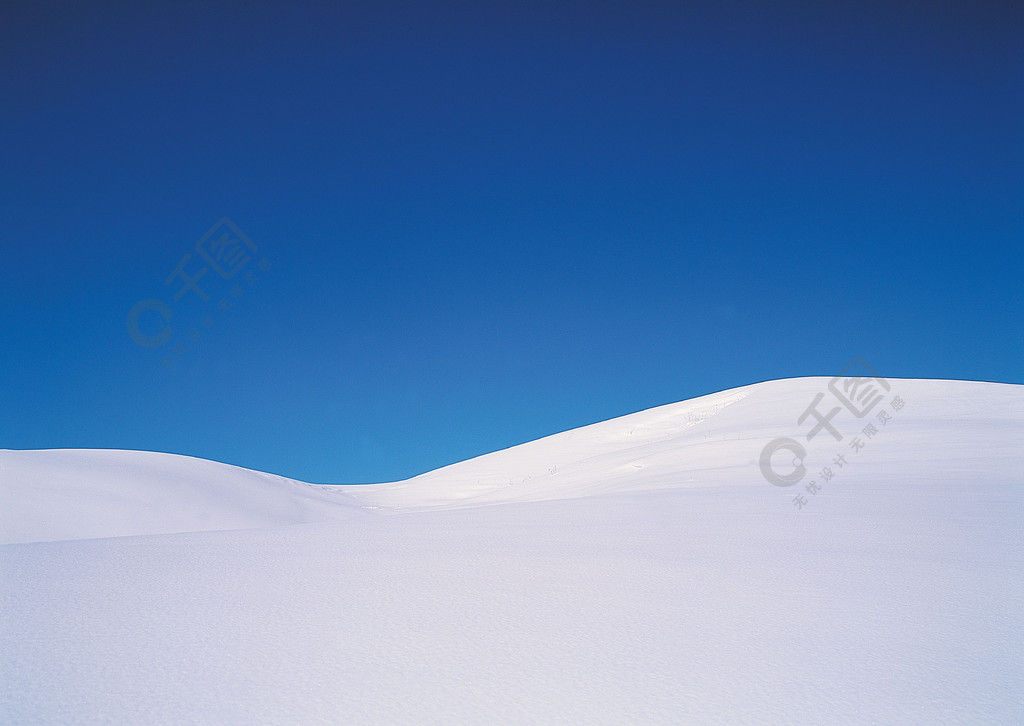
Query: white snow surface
[636, 571]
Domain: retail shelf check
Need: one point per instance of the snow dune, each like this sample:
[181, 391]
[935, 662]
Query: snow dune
[716, 440]
[88, 493]
[637, 571]
[668, 446]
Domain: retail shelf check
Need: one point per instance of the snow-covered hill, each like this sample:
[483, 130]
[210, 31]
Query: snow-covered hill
[88, 493]
[717, 440]
[639, 570]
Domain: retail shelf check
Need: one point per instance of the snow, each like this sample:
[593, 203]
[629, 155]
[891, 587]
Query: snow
[640, 570]
[83, 494]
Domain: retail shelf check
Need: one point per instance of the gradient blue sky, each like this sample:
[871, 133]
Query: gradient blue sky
[488, 222]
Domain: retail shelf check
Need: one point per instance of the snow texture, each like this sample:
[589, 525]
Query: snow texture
[636, 571]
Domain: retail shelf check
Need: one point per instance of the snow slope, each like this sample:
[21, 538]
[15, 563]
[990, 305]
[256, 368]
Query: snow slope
[82, 493]
[638, 571]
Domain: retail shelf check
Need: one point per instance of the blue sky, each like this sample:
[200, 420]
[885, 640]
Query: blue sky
[481, 223]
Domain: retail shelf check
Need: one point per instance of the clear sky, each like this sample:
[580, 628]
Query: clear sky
[469, 225]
